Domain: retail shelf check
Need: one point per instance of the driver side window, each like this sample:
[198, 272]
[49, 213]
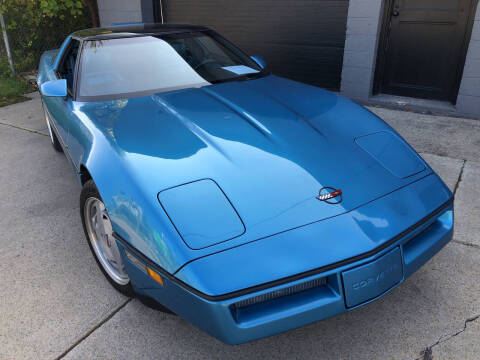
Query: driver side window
[66, 69]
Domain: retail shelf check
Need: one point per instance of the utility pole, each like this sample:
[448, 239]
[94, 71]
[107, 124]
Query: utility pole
[7, 44]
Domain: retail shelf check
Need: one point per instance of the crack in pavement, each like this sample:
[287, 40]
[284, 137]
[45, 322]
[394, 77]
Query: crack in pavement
[440, 155]
[427, 353]
[24, 129]
[475, 246]
[95, 327]
[459, 177]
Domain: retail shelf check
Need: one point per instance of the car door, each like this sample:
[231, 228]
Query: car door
[61, 110]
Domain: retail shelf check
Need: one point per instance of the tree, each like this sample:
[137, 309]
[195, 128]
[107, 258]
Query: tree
[52, 8]
[34, 26]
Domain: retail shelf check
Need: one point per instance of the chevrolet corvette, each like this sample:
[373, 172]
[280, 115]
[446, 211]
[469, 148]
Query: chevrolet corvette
[247, 203]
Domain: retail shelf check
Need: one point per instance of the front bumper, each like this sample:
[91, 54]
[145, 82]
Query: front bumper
[260, 314]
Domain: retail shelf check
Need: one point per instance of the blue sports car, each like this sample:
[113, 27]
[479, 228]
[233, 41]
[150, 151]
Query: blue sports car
[244, 202]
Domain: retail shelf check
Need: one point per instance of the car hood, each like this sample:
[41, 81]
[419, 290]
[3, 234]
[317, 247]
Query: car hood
[417, 215]
[269, 145]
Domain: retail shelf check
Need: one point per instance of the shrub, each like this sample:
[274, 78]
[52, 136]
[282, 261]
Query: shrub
[34, 26]
[5, 70]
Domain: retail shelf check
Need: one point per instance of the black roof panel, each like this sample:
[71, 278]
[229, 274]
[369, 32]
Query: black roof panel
[134, 30]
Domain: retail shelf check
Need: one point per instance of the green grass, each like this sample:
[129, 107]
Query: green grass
[12, 90]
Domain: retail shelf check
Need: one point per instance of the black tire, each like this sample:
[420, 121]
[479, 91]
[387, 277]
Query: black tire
[89, 190]
[53, 136]
[153, 304]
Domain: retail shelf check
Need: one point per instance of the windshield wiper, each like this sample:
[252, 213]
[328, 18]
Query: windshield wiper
[244, 77]
[250, 76]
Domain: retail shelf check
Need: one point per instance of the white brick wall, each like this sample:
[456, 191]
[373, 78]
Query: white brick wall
[363, 26]
[468, 101]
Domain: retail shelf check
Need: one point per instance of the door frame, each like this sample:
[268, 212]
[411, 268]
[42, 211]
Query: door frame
[383, 45]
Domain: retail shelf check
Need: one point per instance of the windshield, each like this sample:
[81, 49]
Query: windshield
[139, 66]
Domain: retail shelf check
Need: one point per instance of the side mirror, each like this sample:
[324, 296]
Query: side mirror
[259, 60]
[56, 88]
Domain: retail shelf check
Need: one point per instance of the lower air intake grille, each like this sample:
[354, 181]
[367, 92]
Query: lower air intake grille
[280, 293]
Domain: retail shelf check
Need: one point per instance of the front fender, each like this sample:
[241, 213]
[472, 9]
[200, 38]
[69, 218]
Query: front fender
[135, 213]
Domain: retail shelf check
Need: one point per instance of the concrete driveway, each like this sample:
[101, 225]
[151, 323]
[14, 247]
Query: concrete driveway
[55, 303]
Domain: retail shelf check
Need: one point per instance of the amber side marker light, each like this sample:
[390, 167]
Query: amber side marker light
[154, 276]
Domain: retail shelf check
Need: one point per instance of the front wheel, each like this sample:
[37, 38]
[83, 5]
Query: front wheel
[99, 233]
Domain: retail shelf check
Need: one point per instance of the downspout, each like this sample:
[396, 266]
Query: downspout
[161, 10]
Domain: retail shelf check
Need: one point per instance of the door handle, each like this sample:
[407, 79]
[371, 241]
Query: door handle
[395, 13]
